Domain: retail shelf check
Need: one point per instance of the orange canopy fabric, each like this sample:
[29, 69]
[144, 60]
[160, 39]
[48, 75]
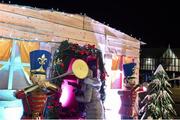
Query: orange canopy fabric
[5, 49]
[25, 48]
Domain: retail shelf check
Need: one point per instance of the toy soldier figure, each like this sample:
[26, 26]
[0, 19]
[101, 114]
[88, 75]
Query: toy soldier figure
[129, 108]
[34, 101]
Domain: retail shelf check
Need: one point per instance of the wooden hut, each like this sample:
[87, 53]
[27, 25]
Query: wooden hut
[23, 29]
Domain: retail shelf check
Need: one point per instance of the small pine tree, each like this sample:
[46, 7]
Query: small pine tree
[158, 103]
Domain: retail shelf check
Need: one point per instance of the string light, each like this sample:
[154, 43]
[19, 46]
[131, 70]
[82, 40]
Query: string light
[23, 7]
[10, 35]
[52, 9]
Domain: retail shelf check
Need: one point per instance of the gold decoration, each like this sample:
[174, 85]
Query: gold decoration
[42, 61]
[80, 69]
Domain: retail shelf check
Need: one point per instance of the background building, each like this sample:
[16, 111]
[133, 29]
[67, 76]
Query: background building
[169, 58]
[150, 58]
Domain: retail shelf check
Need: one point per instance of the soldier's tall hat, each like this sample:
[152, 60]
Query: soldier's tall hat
[39, 61]
[129, 70]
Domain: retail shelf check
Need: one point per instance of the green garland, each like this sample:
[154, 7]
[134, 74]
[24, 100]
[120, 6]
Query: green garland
[67, 51]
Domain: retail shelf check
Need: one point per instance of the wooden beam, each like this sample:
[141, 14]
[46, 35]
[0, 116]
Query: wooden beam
[48, 27]
[122, 51]
[120, 34]
[28, 36]
[45, 25]
[94, 26]
[46, 15]
[113, 41]
[66, 19]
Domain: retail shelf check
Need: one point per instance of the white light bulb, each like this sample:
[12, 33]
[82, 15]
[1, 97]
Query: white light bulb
[23, 7]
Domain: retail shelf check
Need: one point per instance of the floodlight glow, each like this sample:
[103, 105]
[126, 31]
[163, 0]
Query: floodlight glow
[67, 95]
[112, 104]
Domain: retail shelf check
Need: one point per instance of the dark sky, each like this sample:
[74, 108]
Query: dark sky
[156, 22]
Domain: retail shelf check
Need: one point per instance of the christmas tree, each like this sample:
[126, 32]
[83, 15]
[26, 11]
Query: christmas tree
[158, 103]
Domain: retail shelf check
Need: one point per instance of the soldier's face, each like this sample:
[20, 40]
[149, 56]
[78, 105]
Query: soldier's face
[35, 78]
[132, 82]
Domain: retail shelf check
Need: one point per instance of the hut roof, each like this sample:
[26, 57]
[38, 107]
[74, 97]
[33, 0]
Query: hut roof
[29, 23]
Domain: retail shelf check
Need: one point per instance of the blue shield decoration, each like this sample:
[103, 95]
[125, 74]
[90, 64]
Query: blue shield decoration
[129, 69]
[39, 61]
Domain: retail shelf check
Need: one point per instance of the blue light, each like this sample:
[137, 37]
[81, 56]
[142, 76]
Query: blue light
[12, 113]
[10, 107]
[14, 64]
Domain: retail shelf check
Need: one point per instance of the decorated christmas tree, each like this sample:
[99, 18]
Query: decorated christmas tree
[158, 103]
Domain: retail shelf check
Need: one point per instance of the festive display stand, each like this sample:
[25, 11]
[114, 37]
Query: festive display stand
[23, 29]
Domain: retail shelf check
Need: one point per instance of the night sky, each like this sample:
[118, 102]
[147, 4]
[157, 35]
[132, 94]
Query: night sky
[155, 22]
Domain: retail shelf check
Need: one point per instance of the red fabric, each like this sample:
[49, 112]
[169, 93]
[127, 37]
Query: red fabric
[32, 102]
[20, 94]
[70, 77]
[91, 58]
[128, 99]
[140, 89]
[121, 80]
[37, 102]
[121, 62]
[36, 97]
[126, 106]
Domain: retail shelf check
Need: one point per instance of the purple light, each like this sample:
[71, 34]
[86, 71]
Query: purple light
[67, 98]
[144, 89]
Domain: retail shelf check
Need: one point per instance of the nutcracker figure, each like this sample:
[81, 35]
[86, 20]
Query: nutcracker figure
[34, 100]
[129, 106]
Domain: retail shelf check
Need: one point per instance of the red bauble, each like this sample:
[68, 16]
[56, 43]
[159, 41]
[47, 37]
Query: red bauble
[49, 107]
[62, 65]
[20, 94]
